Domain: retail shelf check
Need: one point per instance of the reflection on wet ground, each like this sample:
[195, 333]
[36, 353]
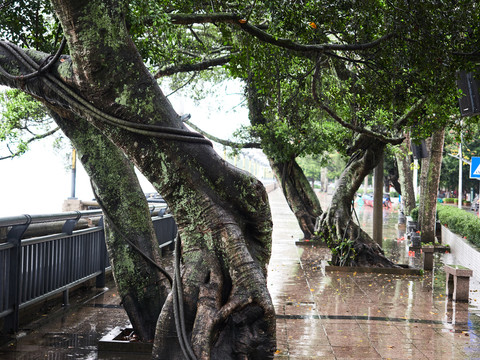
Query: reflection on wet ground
[320, 315]
[338, 315]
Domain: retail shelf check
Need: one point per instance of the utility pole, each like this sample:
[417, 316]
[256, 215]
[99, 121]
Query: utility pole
[378, 203]
[74, 173]
[460, 172]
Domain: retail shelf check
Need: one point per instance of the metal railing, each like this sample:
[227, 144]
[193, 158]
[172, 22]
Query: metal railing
[34, 269]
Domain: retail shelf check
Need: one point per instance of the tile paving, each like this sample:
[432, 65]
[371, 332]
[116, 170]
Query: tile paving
[320, 315]
[336, 315]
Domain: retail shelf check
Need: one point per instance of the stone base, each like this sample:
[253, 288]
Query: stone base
[428, 258]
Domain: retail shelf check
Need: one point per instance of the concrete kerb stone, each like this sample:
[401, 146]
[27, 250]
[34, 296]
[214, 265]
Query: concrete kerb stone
[376, 270]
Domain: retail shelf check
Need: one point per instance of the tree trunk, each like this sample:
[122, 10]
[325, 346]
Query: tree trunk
[404, 162]
[428, 199]
[141, 286]
[350, 245]
[222, 213]
[424, 173]
[300, 196]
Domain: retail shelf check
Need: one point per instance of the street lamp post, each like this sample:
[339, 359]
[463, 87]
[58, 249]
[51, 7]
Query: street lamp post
[74, 173]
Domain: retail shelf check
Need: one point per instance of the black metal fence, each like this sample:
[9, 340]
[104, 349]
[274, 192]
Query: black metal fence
[34, 269]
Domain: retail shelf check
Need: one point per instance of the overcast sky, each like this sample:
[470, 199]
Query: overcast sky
[38, 182]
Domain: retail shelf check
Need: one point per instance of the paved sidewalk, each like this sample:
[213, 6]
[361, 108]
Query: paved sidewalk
[319, 315]
[338, 315]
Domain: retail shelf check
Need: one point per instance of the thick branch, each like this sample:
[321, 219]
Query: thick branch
[222, 141]
[204, 65]
[186, 19]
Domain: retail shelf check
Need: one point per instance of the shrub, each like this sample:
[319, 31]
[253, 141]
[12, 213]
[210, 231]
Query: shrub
[462, 223]
[448, 200]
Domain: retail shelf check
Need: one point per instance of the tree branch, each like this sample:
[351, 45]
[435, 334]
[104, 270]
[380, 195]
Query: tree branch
[204, 65]
[337, 118]
[403, 119]
[187, 19]
[36, 137]
[228, 143]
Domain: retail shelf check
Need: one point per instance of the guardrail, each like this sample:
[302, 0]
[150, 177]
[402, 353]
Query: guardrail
[31, 270]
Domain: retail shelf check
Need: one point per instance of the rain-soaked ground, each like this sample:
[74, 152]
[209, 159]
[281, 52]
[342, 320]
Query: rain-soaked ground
[320, 315]
[336, 315]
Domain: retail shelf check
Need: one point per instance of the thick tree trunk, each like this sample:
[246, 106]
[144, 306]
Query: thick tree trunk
[404, 162]
[350, 245]
[424, 173]
[142, 287]
[300, 196]
[222, 212]
[428, 199]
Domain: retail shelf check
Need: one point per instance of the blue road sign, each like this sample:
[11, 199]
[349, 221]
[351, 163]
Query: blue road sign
[475, 168]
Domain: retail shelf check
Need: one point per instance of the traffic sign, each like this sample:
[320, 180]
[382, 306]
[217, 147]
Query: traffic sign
[475, 168]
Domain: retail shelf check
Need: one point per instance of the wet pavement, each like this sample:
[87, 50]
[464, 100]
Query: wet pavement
[336, 315]
[320, 315]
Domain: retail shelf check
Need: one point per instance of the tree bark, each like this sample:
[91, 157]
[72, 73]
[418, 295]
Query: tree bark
[428, 198]
[222, 213]
[404, 161]
[141, 286]
[350, 245]
[300, 196]
[424, 173]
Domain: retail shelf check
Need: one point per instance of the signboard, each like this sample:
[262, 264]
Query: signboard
[475, 168]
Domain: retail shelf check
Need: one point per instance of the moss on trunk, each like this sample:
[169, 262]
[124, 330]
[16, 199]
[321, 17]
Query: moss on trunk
[140, 285]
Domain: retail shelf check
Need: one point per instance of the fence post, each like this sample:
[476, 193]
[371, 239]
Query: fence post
[68, 228]
[100, 279]
[14, 236]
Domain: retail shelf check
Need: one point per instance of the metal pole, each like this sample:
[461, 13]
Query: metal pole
[460, 173]
[74, 172]
[378, 203]
[415, 178]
